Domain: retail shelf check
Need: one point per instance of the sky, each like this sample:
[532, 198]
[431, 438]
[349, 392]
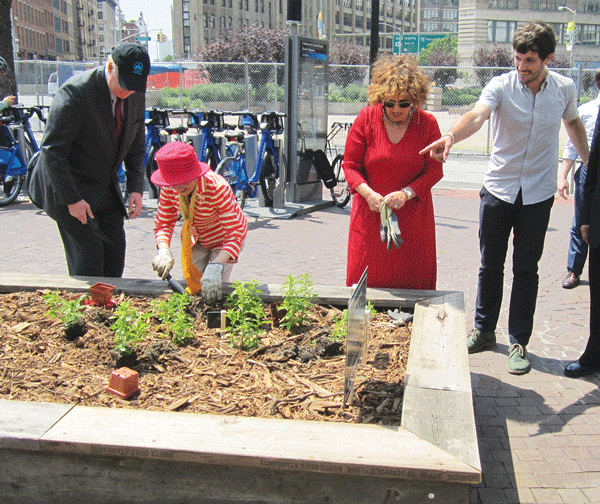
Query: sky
[157, 14]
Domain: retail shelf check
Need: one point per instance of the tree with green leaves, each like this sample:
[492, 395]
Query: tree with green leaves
[441, 53]
[500, 57]
[344, 53]
[252, 42]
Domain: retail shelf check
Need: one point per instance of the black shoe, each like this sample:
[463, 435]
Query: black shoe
[570, 281]
[576, 370]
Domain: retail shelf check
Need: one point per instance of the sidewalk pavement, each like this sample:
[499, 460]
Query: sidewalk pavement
[539, 434]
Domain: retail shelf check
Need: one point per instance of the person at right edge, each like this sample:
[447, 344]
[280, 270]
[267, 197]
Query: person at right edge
[526, 106]
[578, 248]
[589, 218]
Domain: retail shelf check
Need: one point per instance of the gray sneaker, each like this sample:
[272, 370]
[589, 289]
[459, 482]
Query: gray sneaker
[518, 362]
[479, 340]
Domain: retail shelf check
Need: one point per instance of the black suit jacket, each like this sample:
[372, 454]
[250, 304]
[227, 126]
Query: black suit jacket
[589, 212]
[79, 156]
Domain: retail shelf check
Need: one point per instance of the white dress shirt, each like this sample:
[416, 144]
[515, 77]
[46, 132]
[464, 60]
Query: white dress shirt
[525, 130]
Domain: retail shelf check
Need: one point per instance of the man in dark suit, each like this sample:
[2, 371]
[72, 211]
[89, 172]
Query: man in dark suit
[95, 122]
[589, 217]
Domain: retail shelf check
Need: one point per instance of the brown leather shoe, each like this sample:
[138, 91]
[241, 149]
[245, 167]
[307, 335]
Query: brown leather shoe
[570, 281]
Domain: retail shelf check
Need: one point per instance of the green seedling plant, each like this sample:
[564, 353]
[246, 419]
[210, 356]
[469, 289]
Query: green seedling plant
[297, 302]
[339, 330]
[172, 313]
[67, 310]
[246, 315]
[130, 327]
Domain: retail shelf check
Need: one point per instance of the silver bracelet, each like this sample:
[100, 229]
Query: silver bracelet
[449, 135]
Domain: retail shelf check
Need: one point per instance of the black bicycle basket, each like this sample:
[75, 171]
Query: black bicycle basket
[274, 123]
[215, 120]
[248, 122]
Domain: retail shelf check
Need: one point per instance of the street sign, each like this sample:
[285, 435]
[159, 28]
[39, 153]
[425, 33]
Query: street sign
[417, 42]
[141, 39]
[410, 43]
[396, 43]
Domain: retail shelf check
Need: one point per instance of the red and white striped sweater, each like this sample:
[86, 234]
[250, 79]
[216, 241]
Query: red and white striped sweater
[218, 220]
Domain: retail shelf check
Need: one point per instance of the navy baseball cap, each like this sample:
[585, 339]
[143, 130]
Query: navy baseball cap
[133, 63]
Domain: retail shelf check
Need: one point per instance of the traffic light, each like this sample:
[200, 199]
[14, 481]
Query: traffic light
[158, 37]
[163, 37]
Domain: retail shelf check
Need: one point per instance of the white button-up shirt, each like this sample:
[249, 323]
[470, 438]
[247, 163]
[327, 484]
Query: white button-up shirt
[588, 113]
[525, 133]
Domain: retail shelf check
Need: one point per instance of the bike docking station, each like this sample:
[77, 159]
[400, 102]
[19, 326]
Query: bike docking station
[300, 189]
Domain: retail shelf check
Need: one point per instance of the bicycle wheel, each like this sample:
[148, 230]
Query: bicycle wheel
[10, 186]
[340, 193]
[151, 167]
[211, 158]
[28, 152]
[229, 168]
[268, 178]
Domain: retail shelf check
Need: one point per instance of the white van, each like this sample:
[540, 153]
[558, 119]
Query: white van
[53, 83]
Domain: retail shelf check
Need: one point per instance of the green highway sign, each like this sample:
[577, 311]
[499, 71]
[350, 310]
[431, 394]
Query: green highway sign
[140, 39]
[396, 43]
[417, 42]
[410, 43]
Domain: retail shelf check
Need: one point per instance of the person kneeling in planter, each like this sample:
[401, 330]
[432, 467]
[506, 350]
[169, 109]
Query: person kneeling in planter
[214, 226]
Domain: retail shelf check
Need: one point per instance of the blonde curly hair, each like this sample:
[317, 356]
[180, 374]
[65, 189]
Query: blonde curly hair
[396, 75]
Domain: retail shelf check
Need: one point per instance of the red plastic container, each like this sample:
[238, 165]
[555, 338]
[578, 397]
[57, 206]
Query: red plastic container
[123, 383]
[102, 292]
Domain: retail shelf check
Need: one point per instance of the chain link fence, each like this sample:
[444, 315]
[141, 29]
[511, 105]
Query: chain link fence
[260, 87]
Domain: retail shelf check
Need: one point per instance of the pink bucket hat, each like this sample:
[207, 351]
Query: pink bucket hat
[177, 165]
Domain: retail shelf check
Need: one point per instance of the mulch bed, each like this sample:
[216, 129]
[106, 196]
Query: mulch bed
[290, 375]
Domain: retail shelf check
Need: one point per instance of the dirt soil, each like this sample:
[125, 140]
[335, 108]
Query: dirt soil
[290, 375]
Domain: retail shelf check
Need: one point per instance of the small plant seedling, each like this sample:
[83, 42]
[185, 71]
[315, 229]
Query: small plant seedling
[339, 330]
[246, 315]
[297, 301]
[172, 313]
[69, 311]
[130, 327]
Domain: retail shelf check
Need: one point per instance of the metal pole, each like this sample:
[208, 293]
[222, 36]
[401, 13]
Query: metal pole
[374, 31]
[247, 82]
[291, 109]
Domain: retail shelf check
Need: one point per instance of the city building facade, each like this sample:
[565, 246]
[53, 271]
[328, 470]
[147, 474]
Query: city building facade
[484, 24]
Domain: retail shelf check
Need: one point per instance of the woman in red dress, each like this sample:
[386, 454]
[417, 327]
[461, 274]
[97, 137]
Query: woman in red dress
[383, 167]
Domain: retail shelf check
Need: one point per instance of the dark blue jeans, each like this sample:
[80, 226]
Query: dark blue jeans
[578, 249]
[529, 224]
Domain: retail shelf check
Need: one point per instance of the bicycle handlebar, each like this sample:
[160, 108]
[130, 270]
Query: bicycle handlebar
[22, 113]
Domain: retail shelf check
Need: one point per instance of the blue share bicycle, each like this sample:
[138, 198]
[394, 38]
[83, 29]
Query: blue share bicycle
[14, 156]
[210, 122]
[156, 120]
[269, 162]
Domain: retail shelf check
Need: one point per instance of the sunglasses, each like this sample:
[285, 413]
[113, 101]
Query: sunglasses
[392, 104]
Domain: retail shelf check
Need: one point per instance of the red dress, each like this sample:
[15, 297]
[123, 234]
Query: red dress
[372, 158]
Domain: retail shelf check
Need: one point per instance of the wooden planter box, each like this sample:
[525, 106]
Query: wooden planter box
[57, 452]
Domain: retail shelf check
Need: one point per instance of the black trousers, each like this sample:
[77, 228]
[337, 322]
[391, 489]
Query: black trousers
[591, 356]
[529, 224]
[95, 251]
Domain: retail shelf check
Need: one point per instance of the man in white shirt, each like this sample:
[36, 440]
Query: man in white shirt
[526, 106]
[578, 248]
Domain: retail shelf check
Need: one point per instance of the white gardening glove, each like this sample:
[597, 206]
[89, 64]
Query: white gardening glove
[163, 262]
[212, 283]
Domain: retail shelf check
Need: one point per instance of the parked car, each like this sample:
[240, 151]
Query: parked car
[53, 83]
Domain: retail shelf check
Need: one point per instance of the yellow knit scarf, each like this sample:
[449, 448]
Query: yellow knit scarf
[191, 274]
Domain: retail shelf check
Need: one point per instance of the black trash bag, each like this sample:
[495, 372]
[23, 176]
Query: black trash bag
[324, 168]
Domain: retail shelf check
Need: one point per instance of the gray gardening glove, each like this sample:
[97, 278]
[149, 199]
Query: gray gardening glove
[212, 283]
[163, 262]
